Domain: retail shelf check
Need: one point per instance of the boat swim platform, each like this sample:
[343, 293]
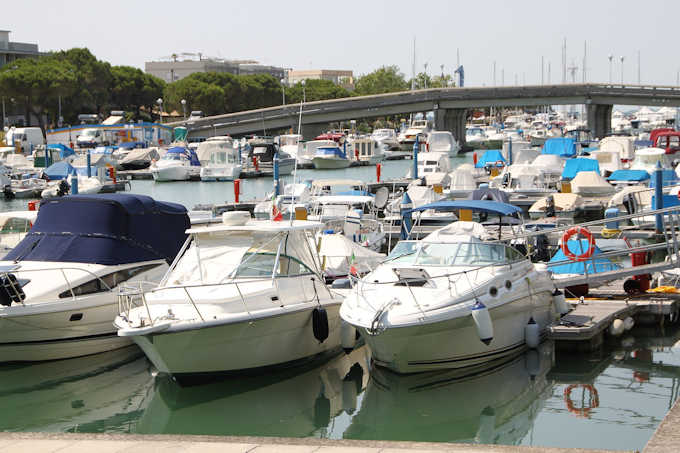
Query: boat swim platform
[144, 443]
[583, 328]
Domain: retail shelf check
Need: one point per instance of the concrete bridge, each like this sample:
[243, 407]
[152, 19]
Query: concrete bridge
[450, 107]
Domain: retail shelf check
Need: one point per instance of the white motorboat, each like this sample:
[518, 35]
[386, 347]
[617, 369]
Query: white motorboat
[138, 159]
[366, 151]
[220, 161]
[449, 301]
[305, 156]
[60, 283]
[475, 135]
[523, 179]
[24, 188]
[442, 142]
[417, 128]
[294, 196]
[291, 144]
[387, 138]
[86, 186]
[331, 157]
[647, 158]
[14, 225]
[591, 184]
[178, 164]
[263, 152]
[238, 297]
[462, 182]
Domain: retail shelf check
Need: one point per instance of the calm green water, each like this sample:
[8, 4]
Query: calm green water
[519, 401]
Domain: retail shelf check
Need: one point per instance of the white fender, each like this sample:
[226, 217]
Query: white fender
[347, 336]
[482, 319]
[532, 334]
[628, 323]
[616, 328]
[560, 302]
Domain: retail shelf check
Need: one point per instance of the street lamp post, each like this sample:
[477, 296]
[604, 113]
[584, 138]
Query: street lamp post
[159, 101]
[610, 57]
[283, 90]
[621, 57]
[184, 108]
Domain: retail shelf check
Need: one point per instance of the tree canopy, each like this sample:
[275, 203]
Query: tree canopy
[314, 90]
[386, 79]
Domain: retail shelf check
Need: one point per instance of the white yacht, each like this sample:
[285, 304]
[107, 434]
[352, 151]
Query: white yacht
[449, 301]
[220, 161]
[305, 156]
[366, 151]
[178, 164]
[60, 283]
[442, 142]
[237, 297]
[331, 157]
[417, 128]
[387, 138]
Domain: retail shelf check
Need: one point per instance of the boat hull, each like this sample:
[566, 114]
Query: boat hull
[322, 163]
[454, 342]
[76, 329]
[176, 173]
[240, 346]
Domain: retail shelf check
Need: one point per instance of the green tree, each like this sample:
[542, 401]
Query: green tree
[314, 90]
[37, 83]
[131, 89]
[94, 81]
[386, 79]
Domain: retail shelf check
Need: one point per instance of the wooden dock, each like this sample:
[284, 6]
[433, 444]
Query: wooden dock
[585, 327]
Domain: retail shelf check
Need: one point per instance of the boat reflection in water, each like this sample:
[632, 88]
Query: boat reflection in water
[101, 392]
[495, 403]
[292, 403]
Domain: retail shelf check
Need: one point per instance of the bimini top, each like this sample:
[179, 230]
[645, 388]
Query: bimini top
[561, 146]
[64, 151]
[105, 229]
[491, 207]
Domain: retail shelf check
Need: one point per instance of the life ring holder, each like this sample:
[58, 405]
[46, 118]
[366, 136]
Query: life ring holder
[594, 400]
[577, 230]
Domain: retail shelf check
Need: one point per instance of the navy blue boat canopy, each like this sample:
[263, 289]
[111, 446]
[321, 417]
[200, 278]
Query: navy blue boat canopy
[107, 229]
[488, 206]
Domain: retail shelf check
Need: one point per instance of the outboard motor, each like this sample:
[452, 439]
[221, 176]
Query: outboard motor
[63, 188]
[7, 191]
[540, 252]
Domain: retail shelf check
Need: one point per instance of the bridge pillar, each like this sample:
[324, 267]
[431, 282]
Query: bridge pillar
[452, 120]
[599, 119]
[309, 131]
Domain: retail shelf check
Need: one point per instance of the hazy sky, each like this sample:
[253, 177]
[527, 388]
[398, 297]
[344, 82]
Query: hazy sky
[364, 35]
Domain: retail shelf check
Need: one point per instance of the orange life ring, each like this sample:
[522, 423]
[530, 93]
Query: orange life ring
[594, 400]
[583, 232]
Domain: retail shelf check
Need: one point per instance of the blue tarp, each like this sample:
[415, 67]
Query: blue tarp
[669, 178]
[488, 206]
[561, 146]
[64, 151]
[490, 157]
[668, 201]
[104, 229]
[573, 166]
[629, 175]
[58, 170]
[132, 145]
[578, 247]
[188, 152]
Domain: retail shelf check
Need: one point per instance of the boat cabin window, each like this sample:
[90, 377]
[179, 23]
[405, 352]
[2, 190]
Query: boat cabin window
[262, 264]
[173, 156]
[106, 282]
[15, 225]
[453, 254]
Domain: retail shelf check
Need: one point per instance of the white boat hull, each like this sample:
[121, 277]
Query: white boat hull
[240, 346]
[220, 173]
[455, 343]
[174, 173]
[324, 163]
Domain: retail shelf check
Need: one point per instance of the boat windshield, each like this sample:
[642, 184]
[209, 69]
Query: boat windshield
[440, 139]
[421, 253]
[172, 156]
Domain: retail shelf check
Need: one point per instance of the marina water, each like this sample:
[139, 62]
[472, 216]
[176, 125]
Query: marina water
[612, 399]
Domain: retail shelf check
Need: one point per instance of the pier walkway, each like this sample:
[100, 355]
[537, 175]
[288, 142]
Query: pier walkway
[131, 443]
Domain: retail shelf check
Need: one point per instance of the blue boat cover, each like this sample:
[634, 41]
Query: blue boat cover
[629, 175]
[106, 229]
[668, 201]
[487, 206]
[58, 170]
[573, 166]
[577, 247]
[188, 152]
[64, 151]
[561, 146]
[131, 145]
[491, 157]
[669, 178]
